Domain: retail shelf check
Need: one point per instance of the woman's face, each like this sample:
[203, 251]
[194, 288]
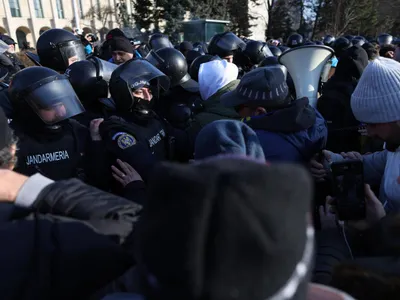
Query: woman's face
[143, 93]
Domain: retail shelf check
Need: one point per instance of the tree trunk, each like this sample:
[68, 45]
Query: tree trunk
[317, 15]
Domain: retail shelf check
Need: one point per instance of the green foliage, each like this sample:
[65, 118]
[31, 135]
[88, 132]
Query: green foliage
[281, 24]
[143, 15]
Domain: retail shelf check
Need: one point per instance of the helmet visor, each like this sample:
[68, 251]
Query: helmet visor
[104, 68]
[266, 52]
[72, 51]
[54, 101]
[3, 47]
[230, 42]
[160, 43]
[139, 73]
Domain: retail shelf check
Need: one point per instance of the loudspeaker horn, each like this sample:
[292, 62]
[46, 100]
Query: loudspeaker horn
[305, 65]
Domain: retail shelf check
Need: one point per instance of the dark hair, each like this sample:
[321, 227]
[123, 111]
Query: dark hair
[6, 157]
[386, 48]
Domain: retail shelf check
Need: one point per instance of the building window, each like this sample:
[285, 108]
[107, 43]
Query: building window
[81, 9]
[37, 4]
[14, 7]
[60, 9]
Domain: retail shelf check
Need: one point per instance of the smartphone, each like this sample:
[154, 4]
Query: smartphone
[348, 189]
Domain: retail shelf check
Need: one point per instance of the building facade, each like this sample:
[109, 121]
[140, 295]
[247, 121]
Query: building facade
[26, 20]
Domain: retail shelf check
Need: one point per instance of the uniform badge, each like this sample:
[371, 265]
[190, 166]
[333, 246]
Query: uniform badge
[126, 140]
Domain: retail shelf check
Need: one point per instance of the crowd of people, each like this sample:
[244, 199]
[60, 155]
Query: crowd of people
[145, 170]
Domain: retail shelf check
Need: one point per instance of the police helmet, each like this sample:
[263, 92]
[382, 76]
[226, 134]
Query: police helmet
[42, 92]
[225, 44]
[295, 40]
[349, 37]
[172, 63]
[195, 66]
[319, 43]
[256, 51]
[358, 41]
[90, 79]
[284, 48]
[132, 75]
[191, 56]
[340, 45]
[58, 49]
[328, 40]
[385, 39]
[275, 51]
[158, 41]
[309, 43]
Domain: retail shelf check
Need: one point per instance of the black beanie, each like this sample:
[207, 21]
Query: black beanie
[121, 44]
[226, 228]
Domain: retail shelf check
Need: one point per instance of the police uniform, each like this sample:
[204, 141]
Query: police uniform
[139, 143]
[57, 156]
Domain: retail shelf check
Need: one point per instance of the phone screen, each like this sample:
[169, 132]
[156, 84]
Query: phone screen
[348, 185]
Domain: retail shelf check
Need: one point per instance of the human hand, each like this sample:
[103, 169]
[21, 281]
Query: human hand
[374, 210]
[10, 184]
[127, 175]
[351, 155]
[317, 168]
[94, 129]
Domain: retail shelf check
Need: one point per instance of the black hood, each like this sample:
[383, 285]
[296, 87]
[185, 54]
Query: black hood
[351, 64]
[299, 115]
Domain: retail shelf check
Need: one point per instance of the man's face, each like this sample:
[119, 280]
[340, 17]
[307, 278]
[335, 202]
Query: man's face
[143, 93]
[11, 49]
[228, 58]
[389, 132]
[119, 57]
[53, 114]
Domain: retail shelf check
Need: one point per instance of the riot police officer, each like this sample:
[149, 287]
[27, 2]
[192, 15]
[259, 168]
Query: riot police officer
[58, 49]
[158, 41]
[180, 102]
[329, 40]
[275, 51]
[135, 134]
[295, 40]
[385, 39]
[225, 45]
[249, 58]
[90, 79]
[49, 142]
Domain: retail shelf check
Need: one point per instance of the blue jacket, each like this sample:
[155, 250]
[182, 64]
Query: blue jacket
[293, 134]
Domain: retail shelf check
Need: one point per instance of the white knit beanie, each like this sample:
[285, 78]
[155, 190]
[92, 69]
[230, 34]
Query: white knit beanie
[376, 98]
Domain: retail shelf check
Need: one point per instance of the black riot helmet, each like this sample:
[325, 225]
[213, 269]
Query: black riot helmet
[256, 51]
[191, 56]
[58, 48]
[309, 43]
[385, 39]
[340, 45]
[195, 66]
[284, 48]
[319, 43]
[295, 40]
[225, 44]
[40, 95]
[90, 79]
[158, 41]
[358, 41]
[329, 40]
[275, 51]
[349, 37]
[132, 75]
[172, 63]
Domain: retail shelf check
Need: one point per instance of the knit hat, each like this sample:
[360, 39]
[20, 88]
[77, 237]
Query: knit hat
[121, 44]
[265, 87]
[185, 46]
[226, 228]
[116, 32]
[376, 98]
[228, 137]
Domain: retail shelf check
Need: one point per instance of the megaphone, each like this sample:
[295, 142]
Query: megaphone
[305, 65]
